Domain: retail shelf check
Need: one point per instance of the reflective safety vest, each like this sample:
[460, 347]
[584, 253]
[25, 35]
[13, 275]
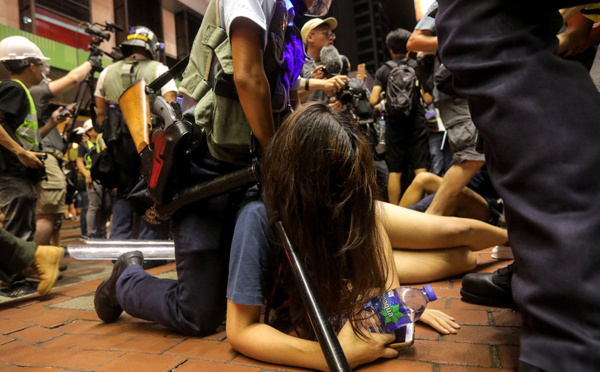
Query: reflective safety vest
[28, 131]
[87, 158]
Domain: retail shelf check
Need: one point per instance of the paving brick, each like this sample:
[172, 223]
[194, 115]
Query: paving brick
[70, 359]
[133, 362]
[36, 334]
[423, 331]
[474, 317]
[206, 366]
[448, 352]
[156, 345]
[8, 326]
[64, 342]
[219, 336]
[440, 284]
[507, 318]
[445, 368]
[440, 304]
[459, 304]
[16, 352]
[244, 360]
[397, 365]
[486, 335]
[49, 319]
[18, 314]
[203, 349]
[96, 328]
[447, 292]
[509, 356]
[5, 339]
[102, 342]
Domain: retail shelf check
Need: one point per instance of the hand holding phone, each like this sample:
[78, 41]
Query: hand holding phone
[404, 336]
[67, 109]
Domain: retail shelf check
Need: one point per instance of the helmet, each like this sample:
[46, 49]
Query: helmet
[19, 47]
[87, 125]
[17, 52]
[143, 37]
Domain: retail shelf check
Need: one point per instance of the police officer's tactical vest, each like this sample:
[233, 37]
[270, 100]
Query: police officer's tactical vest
[123, 74]
[208, 79]
[27, 131]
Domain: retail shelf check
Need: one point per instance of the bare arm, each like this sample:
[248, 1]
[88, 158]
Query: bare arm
[71, 79]
[331, 86]
[375, 95]
[422, 41]
[100, 109]
[27, 158]
[250, 79]
[263, 342]
[84, 171]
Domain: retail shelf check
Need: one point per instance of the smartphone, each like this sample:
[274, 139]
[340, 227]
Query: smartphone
[66, 110]
[360, 72]
[404, 336]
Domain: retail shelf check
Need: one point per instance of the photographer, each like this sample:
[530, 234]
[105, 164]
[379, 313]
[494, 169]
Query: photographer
[52, 192]
[318, 84]
[25, 62]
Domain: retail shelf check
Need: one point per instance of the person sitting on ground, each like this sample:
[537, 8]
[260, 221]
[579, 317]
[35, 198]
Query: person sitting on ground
[318, 179]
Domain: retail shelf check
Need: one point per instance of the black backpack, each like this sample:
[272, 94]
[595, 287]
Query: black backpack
[402, 89]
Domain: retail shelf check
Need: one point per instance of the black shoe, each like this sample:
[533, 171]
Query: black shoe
[105, 300]
[489, 289]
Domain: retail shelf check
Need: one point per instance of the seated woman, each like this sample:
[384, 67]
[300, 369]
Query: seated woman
[318, 179]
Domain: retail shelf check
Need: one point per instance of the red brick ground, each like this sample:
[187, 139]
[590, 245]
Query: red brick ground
[44, 332]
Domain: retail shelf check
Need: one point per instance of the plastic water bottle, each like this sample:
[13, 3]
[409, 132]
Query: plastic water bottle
[380, 148]
[396, 308]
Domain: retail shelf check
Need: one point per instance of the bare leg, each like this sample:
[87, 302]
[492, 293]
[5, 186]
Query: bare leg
[454, 181]
[427, 266]
[45, 228]
[394, 187]
[408, 229]
[425, 183]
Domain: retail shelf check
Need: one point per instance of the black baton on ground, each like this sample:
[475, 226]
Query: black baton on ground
[336, 360]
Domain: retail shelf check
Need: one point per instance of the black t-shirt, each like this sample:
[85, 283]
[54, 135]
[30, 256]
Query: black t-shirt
[15, 104]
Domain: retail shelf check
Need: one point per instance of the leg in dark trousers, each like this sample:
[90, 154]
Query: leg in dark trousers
[539, 117]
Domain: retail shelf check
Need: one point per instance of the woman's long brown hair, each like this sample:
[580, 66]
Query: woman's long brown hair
[319, 179]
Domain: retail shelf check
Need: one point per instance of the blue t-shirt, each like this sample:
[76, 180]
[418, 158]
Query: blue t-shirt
[250, 256]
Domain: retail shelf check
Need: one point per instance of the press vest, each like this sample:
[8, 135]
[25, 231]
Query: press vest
[208, 79]
[28, 131]
[123, 74]
[87, 159]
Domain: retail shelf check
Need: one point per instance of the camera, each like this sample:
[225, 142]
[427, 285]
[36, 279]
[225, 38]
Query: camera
[99, 33]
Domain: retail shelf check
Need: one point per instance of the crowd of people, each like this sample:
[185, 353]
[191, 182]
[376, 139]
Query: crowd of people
[454, 171]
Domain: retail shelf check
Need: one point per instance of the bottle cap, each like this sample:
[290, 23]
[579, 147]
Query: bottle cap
[430, 292]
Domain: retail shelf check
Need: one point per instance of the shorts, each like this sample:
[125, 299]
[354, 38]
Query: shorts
[462, 134]
[406, 145]
[51, 193]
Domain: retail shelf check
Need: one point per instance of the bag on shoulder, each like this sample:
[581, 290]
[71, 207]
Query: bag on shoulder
[103, 169]
[402, 89]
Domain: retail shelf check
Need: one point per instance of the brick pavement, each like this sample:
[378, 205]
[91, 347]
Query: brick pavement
[60, 332]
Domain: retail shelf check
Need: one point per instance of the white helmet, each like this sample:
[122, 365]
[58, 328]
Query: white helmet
[18, 48]
[87, 125]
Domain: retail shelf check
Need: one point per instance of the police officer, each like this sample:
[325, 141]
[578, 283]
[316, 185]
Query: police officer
[140, 49]
[240, 85]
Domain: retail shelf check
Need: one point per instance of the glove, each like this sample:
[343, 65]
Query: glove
[96, 62]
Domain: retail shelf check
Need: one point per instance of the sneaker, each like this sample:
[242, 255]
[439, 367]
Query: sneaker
[502, 252]
[45, 264]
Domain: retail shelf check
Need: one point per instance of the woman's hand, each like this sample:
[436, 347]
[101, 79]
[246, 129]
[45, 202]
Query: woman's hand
[359, 351]
[441, 322]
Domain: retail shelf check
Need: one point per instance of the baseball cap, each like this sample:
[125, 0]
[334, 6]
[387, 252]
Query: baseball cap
[314, 23]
